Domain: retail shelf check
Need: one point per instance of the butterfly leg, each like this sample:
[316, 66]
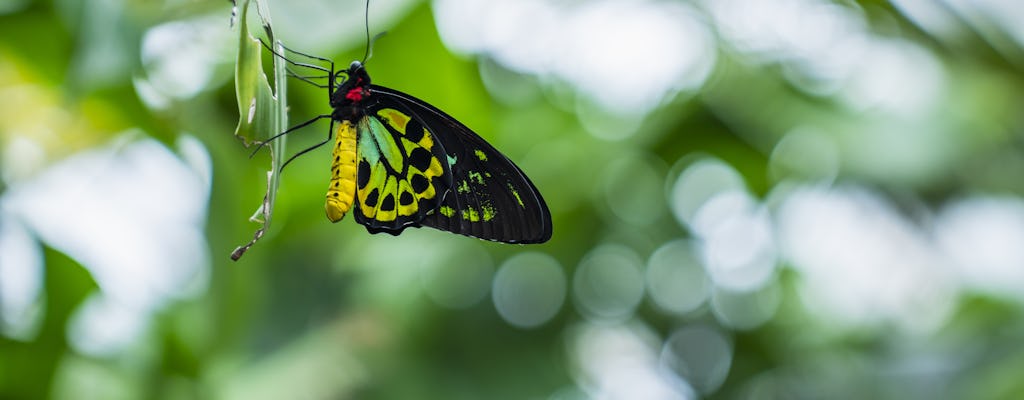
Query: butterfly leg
[289, 130]
[308, 149]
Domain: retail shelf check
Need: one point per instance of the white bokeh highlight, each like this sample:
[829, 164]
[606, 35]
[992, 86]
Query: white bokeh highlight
[701, 179]
[608, 284]
[21, 278]
[699, 354]
[861, 263]
[459, 278]
[103, 326]
[623, 362]
[529, 289]
[736, 237]
[983, 238]
[738, 246]
[133, 214]
[181, 59]
[676, 281]
[746, 310]
[827, 48]
[628, 56]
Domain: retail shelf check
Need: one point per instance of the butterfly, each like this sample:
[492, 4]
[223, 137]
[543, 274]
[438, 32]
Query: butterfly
[398, 162]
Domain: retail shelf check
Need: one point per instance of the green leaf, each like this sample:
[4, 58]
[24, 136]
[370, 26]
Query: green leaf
[255, 99]
[262, 113]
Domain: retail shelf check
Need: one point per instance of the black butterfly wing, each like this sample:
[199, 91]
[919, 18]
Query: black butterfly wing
[490, 197]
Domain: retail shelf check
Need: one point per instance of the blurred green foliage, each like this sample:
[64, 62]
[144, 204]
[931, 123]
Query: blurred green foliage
[320, 310]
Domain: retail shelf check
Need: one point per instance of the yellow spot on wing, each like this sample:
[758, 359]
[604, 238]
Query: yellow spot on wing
[447, 211]
[390, 188]
[395, 118]
[378, 176]
[480, 154]
[435, 168]
[407, 210]
[427, 142]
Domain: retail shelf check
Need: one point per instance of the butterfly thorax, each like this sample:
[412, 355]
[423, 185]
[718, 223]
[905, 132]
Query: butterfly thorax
[351, 95]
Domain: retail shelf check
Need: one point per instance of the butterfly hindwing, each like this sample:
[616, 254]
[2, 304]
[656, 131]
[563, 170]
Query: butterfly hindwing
[485, 195]
[401, 172]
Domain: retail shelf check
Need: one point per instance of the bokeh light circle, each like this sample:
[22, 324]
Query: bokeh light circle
[608, 283]
[459, 279]
[632, 188]
[745, 310]
[623, 361]
[676, 280]
[701, 355]
[805, 153]
[698, 182]
[180, 59]
[21, 265]
[738, 247]
[529, 289]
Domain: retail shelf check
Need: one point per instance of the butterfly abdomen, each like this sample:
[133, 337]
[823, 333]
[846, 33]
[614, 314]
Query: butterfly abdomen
[342, 191]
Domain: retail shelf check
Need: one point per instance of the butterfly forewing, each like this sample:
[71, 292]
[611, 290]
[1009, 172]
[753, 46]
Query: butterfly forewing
[401, 172]
[485, 195]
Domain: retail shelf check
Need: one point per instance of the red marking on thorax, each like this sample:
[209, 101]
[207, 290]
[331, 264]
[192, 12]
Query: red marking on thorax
[356, 94]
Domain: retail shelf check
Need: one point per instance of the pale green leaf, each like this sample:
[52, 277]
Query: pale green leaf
[262, 114]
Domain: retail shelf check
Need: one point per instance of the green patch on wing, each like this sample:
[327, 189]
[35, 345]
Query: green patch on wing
[489, 212]
[262, 114]
[516, 194]
[471, 214]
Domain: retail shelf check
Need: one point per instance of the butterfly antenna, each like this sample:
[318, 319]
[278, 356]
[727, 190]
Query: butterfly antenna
[293, 62]
[369, 41]
[366, 24]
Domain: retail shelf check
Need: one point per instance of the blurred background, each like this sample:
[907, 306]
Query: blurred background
[751, 199]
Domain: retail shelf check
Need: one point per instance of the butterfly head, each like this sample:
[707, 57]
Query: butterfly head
[352, 89]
